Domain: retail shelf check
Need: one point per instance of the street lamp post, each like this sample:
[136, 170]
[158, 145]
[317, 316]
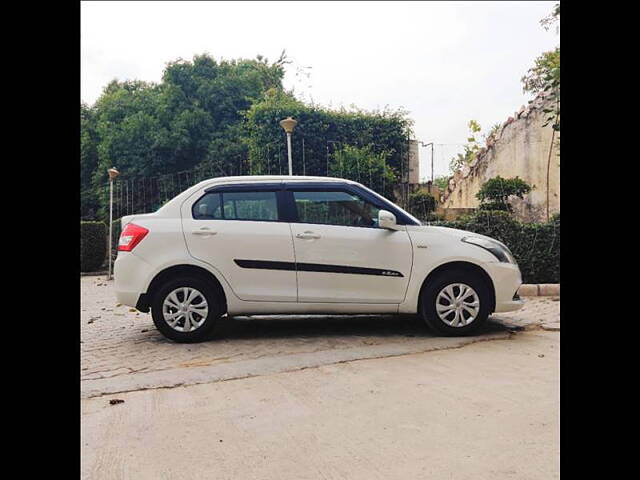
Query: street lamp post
[426, 145]
[288, 125]
[113, 173]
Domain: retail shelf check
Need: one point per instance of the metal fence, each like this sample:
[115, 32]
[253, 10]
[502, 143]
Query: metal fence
[144, 194]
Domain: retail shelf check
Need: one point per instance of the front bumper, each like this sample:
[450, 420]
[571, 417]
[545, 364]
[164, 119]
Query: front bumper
[506, 279]
[509, 306]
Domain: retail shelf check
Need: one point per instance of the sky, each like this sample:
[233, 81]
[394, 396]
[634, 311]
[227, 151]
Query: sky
[444, 62]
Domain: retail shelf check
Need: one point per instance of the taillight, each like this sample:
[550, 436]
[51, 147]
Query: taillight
[131, 236]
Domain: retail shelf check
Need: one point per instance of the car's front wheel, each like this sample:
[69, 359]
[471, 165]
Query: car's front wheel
[456, 303]
[186, 309]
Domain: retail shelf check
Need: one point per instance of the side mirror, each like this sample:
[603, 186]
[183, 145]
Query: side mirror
[387, 220]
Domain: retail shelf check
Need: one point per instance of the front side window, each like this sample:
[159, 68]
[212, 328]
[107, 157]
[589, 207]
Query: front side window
[335, 208]
[257, 206]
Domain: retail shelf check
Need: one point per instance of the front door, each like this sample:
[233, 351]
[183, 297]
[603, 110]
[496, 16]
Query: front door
[341, 254]
[239, 232]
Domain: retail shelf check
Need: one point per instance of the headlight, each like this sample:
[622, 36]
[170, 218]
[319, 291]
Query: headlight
[500, 251]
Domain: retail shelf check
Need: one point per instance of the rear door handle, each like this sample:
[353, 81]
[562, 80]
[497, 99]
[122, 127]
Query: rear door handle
[203, 231]
[308, 235]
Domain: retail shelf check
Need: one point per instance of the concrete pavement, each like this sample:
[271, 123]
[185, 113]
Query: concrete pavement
[489, 410]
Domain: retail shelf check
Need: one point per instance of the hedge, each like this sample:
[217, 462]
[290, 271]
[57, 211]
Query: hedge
[535, 246]
[93, 245]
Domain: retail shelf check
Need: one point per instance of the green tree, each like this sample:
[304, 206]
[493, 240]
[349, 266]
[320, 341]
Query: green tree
[544, 78]
[88, 163]
[470, 148]
[493, 130]
[220, 117]
[194, 117]
[441, 182]
[494, 194]
[552, 19]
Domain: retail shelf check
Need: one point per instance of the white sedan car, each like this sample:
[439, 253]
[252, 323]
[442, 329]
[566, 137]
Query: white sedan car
[304, 245]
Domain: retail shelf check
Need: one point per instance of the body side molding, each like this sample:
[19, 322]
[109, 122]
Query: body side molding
[315, 267]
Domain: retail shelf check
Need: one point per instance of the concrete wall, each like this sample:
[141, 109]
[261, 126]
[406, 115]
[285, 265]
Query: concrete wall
[519, 148]
[414, 163]
[455, 213]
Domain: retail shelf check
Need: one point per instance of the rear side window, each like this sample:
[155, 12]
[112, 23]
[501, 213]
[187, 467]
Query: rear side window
[208, 207]
[335, 208]
[246, 205]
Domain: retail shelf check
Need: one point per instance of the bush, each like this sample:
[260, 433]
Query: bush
[503, 207]
[93, 245]
[433, 217]
[422, 204]
[495, 192]
[536, 246]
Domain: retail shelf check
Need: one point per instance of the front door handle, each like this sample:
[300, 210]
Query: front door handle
[308, 235]
[203, 231]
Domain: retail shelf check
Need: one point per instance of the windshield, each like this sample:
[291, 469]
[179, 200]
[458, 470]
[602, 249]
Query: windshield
[389, 202]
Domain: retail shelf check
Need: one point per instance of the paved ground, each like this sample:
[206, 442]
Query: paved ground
[311, 397]
[488, 411]
[122, 351]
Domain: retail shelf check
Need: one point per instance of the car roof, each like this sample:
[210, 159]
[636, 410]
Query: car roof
[272, 178]
[172, 207]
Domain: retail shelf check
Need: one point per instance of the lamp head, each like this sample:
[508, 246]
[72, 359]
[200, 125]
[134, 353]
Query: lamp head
[288, 124]
[113, 173]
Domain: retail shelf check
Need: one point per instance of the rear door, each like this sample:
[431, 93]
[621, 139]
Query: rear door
[238, 230]
[341, 254]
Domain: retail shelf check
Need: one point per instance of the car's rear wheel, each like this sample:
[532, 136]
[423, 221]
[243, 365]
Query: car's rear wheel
[186, 309]
[456, 303]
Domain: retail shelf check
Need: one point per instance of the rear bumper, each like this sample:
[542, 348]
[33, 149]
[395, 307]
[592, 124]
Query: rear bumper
[130, 274]
[129, 299]
[506, 281]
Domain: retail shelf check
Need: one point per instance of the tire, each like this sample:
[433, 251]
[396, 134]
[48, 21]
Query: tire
[457, 280]
[201, 327]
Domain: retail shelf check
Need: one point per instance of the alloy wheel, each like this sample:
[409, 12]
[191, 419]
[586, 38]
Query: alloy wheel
[457, 305]
[185, 309]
